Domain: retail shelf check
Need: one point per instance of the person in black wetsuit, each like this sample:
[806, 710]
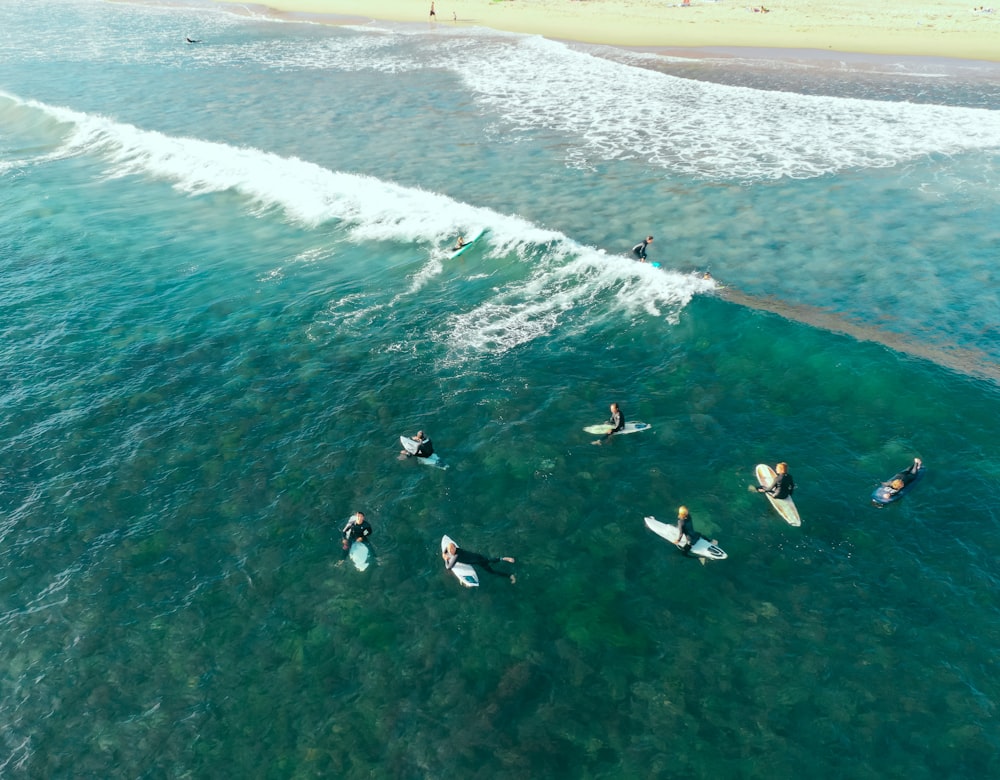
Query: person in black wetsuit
[783, 486]
[904, 478]
[617, 422]
[455, 554]
[910, 473]
[639, 250]
[424, 447]
[357, 530]
[686, 535]
[894, 487]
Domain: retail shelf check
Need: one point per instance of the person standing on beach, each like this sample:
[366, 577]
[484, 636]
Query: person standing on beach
[434, 16]
[639, 250]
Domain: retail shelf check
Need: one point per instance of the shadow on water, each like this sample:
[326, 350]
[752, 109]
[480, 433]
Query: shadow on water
[969, 362]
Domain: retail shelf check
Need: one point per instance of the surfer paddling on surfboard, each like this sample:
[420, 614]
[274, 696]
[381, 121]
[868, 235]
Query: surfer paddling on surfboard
[454, 554]
[617, 422]
[890, 491]
[903, 478]
[357, 530]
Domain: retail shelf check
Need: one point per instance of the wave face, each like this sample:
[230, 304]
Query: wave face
[227, 287]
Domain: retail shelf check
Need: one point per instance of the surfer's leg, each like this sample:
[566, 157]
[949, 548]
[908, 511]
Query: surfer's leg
[485, 565]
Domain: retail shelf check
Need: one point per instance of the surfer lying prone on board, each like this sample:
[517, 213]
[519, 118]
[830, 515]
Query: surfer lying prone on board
[904, 478]
[455, 554]
[686, 535]
[424, 447]
[783, 486]
[357, 530]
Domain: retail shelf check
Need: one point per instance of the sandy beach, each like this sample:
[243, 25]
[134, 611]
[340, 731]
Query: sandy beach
[935, 28]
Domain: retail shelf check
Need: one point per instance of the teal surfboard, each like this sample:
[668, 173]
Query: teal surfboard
[467, 244]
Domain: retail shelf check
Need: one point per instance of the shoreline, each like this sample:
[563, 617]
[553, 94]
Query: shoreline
[945, 29]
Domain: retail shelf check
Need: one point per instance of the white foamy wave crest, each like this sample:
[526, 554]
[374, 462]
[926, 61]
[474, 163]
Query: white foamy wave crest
[561, 293]
[701, 129]
[28, 135]
[306, 192]
[563, 275]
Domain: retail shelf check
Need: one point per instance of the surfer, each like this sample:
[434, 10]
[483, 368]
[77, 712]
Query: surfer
[893, 487]
[458, 244]
[903, 478]
[455, 554]
[357, 530]
[424, 447]
[783, 486]
[639, 250]
[686, 535]
[191, 40]
[617, 422]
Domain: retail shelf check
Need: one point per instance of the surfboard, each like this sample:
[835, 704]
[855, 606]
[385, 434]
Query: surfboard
[410, 445]
[882, 495]
[467, 244]
[703, 548]
[783, 506]
[465, 573]
[360, 553]
[630, 427]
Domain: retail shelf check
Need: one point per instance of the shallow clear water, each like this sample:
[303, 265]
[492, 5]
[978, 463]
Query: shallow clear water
[226, 291]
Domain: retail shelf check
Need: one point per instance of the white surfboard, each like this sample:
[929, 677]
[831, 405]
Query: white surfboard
[630, 427]
[410, 445]
[703, 548]
[465, 573]
[783, 506]
[360, 555]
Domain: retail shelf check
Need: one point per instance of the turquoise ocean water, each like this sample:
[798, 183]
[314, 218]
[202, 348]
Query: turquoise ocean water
[225, 291]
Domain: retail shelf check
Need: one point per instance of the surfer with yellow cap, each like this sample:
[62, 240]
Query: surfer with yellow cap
[686, 535]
